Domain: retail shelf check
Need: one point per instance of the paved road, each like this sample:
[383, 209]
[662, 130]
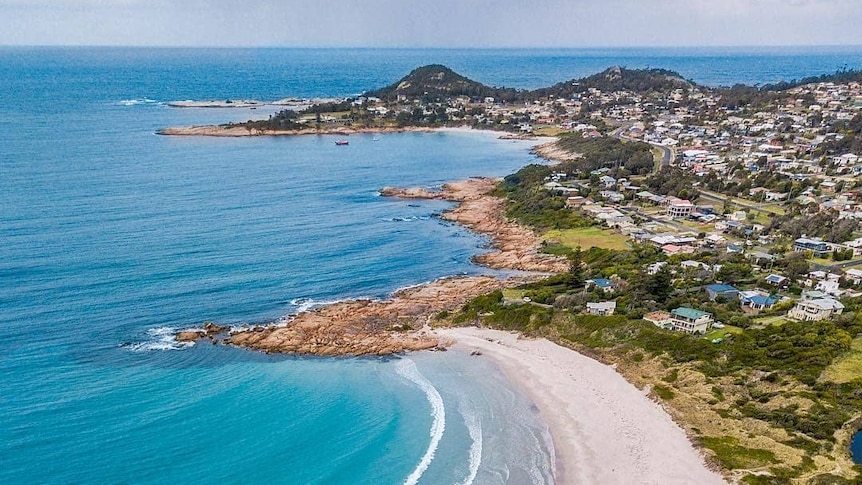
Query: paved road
[668, 153]
[717, 197]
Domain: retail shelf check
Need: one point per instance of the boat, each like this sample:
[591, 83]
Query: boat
[375, 139]
[342, 142]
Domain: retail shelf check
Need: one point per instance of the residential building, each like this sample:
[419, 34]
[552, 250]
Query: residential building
[605, 284]
[689, 320]
[757, 300]
[660, 319]
[602, 308]
[854, 276]
[677, 208]
[818, 309]
[818, 247]
[777, 280]
[725, 291]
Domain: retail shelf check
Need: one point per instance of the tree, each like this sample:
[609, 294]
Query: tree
[659, 285]
[576, 269]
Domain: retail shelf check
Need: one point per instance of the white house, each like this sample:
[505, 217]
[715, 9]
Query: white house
[813, 310]
[602, 308]
[854, 276]
[690, 320]
[677, 208]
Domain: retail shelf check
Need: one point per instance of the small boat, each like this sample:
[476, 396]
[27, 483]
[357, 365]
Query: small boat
[342, 142]
[375, 139]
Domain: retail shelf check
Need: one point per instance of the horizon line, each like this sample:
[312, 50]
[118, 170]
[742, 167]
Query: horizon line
[371, 47]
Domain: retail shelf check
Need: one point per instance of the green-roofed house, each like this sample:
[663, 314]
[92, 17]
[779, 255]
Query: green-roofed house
[690, 320]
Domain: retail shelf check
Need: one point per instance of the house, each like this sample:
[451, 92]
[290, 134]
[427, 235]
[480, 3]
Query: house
[602, 308]
[677, 208]
[777, 280]
[813, 310]
[757, 300]
[830, 287]
[671, 249]
[725, 291]
[854, 276]
[734, 248]
[612, 195]
[818, 247]
[656, 267]
[607, 181]
[691, 264]
[605, 284]
[776, 196]
[689, 320]
[660, 319]
[576, 201]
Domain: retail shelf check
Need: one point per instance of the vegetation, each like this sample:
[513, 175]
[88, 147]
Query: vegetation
[618, 79]
[436, 83]
[588, 237]
[634, 158]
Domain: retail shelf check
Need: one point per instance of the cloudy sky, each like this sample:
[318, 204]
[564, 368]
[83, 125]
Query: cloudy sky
[431, 23]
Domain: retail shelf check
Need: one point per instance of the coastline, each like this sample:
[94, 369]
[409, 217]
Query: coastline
[400, 323]
[604, 429]
[236, 131]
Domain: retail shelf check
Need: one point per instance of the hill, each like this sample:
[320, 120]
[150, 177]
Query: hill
[618, 79]
[435, 83]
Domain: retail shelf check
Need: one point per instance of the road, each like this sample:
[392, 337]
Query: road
[720, 198]
[668, 154]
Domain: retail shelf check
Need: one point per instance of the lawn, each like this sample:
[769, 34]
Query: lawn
[587, 237]
[775, 320]
[549, 131]
[722, 332]
[513, 295]
[847, 367]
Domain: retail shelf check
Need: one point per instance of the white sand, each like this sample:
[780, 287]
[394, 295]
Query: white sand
[605, 430]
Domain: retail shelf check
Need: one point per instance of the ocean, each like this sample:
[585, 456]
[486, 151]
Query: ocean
[112, 237]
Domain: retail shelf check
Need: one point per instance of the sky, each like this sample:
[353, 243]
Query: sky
[431, 23]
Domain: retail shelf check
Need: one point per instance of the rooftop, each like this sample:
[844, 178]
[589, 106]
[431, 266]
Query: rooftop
[689, 313]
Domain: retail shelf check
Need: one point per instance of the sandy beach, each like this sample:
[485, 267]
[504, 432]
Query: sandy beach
[605, 430]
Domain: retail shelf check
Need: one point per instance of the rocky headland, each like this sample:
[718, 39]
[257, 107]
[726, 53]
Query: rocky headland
[399, 324]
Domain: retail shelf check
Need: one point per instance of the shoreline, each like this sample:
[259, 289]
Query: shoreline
[604, 429]
[577, 396]
[237, 131]
[400, 323]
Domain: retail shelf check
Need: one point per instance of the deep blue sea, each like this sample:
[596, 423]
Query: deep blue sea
[112, 237]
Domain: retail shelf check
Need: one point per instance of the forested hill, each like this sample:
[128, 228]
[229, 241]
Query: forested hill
[618, 79]
[436, 83]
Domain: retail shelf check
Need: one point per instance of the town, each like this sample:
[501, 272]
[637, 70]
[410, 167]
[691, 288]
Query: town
[762, 180]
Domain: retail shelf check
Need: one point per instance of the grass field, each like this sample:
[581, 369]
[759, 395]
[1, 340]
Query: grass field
[847, 367]
[511, 294]
[549, 131]
[722, 332]
[588, 237]
[775, 320]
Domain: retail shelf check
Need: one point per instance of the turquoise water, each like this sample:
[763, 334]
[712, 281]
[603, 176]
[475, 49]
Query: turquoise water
[111, 237]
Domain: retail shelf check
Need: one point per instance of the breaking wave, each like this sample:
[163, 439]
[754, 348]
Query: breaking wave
[407, 369]
[161, 338]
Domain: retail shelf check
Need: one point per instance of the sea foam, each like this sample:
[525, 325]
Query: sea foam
[161, 338]
[474, 428]
[407, 369]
